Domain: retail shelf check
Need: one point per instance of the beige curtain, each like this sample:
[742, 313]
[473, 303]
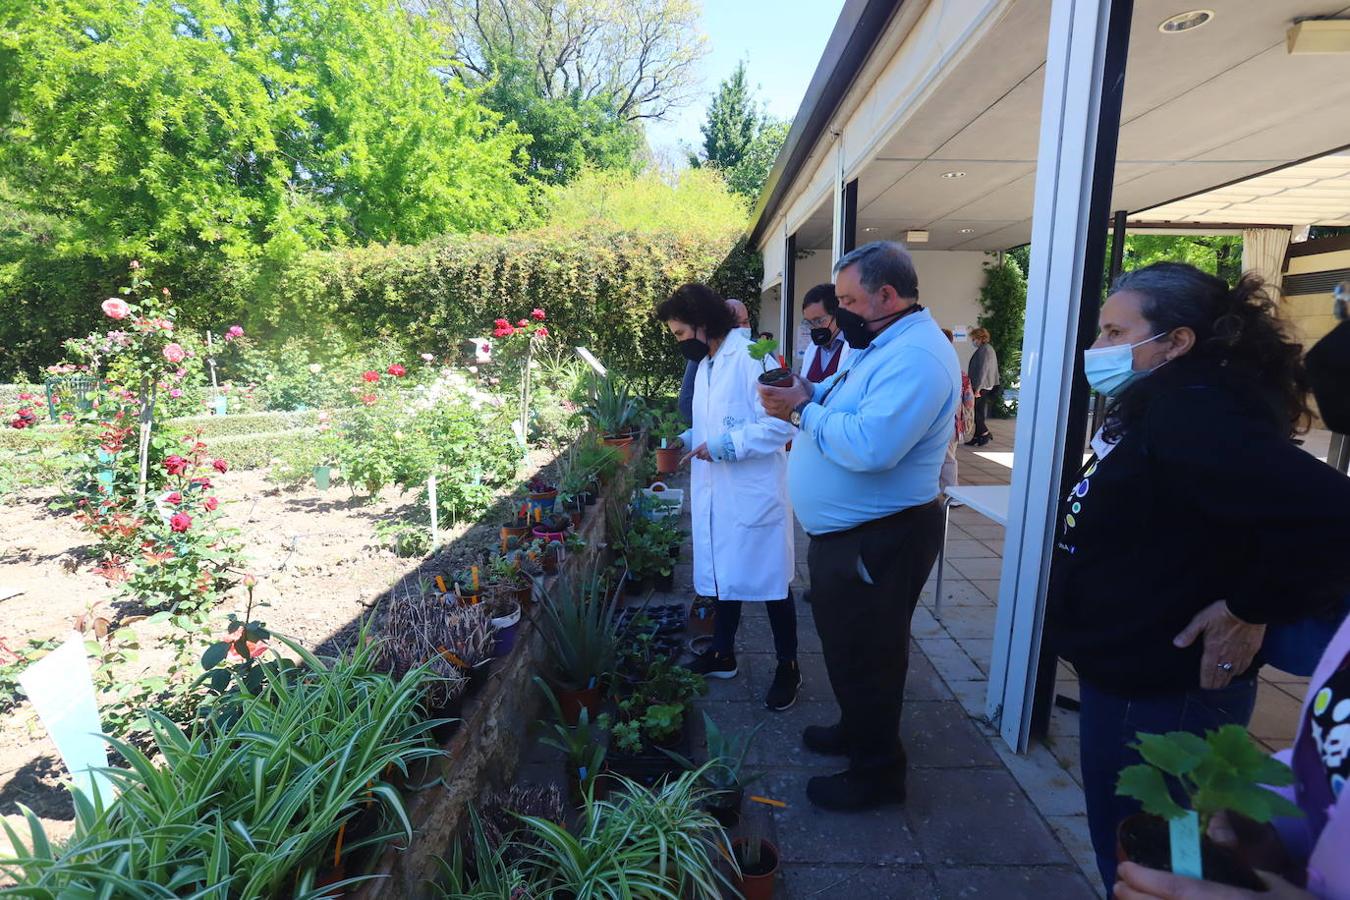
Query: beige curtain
[1263, 252]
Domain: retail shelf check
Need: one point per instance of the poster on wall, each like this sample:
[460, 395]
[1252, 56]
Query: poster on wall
[961, 334]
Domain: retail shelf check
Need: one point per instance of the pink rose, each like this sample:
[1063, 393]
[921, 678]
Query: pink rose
[501, 323]
[180, 522]
[174, 353]
[234, 332]
[541, 332]
[427, 357]
[397, 371]
[135, 264]
[220, 466]
[175, 393]
[369, 399]
[372, 376]
[211, 503]
[174, 499]
[114, 308]
[537, 315]
[522, 324]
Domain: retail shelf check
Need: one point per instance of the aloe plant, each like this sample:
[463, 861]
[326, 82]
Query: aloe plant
[612, 408]
[580, 632]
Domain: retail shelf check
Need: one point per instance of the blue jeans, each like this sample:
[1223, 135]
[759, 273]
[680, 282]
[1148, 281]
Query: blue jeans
[1107, 726]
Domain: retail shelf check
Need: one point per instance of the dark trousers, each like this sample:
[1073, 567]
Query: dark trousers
[865, 583]
[1107, 726]
[981, 410]
[782, 621]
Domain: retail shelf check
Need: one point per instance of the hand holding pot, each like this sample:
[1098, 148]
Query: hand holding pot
[1136, 882]
[779, 402]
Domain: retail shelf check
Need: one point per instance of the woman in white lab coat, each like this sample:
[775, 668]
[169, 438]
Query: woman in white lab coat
[742, 517]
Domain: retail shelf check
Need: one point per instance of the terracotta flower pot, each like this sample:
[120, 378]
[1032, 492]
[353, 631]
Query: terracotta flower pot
[547, 535]
[668, 460]
[511, 531]
[701, 618]
[622, 443]
[757, 884]
[573, 702]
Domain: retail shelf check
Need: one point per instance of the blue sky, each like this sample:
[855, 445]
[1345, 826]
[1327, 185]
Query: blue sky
[780, 41]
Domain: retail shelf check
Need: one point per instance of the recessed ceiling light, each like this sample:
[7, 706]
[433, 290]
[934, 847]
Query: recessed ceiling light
[869, 229]
[953, 174]
[967, 231]
[1187, 21]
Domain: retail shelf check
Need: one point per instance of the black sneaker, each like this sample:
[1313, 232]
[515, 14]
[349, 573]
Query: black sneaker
[712, 664]
[783, 692]
[827, 740]
[856, 791]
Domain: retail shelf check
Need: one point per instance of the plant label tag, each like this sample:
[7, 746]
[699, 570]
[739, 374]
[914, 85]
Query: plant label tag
[591, 361]
[61, 689]
[1186, 845]
[582, 772]
[590, 684]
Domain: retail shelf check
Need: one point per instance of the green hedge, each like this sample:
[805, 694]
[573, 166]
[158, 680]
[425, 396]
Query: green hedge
[256, 451]
[213, 428]
[599, 289]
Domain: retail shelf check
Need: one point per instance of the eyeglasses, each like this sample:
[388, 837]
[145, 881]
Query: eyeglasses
[819, 321]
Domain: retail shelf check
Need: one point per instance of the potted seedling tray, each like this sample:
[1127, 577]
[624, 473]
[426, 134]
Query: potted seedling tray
[651, 764]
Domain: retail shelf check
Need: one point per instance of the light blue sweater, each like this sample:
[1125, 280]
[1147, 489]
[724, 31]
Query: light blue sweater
[873, 439]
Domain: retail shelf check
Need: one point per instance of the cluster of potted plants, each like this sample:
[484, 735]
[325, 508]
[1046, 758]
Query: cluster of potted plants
[649, 549]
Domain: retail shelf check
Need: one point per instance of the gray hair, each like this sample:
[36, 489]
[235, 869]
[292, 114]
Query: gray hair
[883, 262]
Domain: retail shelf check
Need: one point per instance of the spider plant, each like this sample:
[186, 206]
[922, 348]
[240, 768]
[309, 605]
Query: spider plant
[582, 743]
[248, 809]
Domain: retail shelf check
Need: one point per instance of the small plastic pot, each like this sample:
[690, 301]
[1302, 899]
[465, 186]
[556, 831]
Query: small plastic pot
[323, 477]
[1147, 840]
[511, 531]
[779, 377]
[506, 627]
[573, 702]
[635, 586]
[701, 618]
[542, 500]
[664, 583]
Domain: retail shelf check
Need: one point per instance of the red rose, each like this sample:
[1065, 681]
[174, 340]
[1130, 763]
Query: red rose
[211, 503]
[174, 499]
[537, 315]
[504, 332]
[371, 376]
[522, 324]
[180, 522]
[397, 371]
[202, 483]
[175, 465]
[369, 399]
[542, 332]
[501, 323]
[221, 466]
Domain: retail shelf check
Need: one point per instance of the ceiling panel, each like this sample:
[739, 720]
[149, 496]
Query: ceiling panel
[1312, 193]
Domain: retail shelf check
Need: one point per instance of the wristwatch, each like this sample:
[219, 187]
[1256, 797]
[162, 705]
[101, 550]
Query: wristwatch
[795, 417]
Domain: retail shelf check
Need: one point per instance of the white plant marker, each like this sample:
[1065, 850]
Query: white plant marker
[62, 691]
[431, 500]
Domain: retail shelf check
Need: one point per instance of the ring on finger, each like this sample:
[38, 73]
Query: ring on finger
[1226, 666]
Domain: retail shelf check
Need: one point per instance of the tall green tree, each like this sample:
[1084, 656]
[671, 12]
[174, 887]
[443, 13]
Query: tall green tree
[733, 123]
[747, 177]
[182, 128]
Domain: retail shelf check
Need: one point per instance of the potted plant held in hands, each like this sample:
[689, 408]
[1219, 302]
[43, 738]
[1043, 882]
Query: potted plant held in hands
[763, 349]
[1222, 771]
[668, 430]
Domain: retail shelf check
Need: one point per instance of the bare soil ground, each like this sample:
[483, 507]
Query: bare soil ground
[319, 565]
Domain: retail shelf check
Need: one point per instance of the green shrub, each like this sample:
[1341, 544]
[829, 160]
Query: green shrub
[256, 451]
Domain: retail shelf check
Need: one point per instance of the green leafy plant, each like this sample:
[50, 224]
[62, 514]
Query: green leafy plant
[582, 743]
[612, 409]
[725, 768]
[762, 348]
[1003, 299]
[1223, 770]
[579, 632]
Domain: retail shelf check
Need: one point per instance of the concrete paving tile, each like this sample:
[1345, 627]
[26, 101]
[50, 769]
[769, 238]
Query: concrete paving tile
[1275, 676]
[964, 622]
[807, 835]
[967, 549]
[1049, 786]
[1013, 883]
[941, 735]
[923, 681]
[779, 740]
[971, 695]
[981, 651]
[996, 824]
[923, 625]
[988, 531]
[955, 592]
[831, 882]
[986, 568]
[950, 660]
[988, 587]
[1073, 833]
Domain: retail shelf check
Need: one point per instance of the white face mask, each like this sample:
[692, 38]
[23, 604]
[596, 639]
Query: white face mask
[1111, 369]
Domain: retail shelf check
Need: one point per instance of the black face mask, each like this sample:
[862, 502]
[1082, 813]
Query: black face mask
[693, 349]
[855, 329]
[821, 336]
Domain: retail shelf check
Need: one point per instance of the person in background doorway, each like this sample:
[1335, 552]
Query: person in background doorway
[965, 424]
[984, 381]
[685, 402]
[766, 335]
[864, 474]
[1196, 522]
[827, 351]
[741, 514]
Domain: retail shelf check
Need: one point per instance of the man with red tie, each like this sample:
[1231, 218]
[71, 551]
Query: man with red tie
[828, 349]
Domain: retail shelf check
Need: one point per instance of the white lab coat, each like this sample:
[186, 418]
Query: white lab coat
[742, 517]
[812, 351]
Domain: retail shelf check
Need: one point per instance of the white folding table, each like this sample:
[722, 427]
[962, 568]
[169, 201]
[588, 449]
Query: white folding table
[990, 501]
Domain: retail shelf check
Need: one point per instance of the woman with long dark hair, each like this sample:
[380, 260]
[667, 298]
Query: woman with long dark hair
[1197, 521]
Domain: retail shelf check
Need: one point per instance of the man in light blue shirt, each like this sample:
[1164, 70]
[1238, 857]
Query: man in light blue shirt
[863, 475]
